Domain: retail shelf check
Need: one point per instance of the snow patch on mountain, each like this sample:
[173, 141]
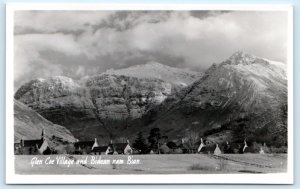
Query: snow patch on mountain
[242, 86]
[157, 70]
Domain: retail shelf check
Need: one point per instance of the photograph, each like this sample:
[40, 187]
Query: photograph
[157, 91]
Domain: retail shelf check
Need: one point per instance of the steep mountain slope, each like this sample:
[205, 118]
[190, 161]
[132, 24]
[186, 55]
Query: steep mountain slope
[64, 102]
[28, 125]
[104, 107]
[175, 76]
[242, 87]
[122, 98]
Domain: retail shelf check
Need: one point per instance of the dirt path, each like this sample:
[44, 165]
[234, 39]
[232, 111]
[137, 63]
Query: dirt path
[241, 162]
[82, 164]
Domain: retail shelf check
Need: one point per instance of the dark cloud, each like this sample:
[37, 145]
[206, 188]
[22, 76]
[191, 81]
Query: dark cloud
[125, 20]
[205, 14]
[28, 30]
[80, 43]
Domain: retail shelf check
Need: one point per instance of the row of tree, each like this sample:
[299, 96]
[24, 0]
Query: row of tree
[157, 142]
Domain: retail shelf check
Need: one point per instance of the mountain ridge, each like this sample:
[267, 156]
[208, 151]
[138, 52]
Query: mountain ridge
[118, 105]
[153, 69]
[103, 102]
[226, 92]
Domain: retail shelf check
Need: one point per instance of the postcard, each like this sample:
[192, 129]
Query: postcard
[148, 93]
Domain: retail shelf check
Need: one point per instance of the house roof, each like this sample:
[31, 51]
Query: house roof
[250, 150]
[29, 143]
[119, 147]
[234, 146]
[83, 144]
[100, 149]
[185, 146]
[208, 148]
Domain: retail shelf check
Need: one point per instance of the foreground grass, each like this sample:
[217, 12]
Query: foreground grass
[155, 164]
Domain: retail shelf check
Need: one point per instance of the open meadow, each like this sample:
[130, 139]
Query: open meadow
[151, 164]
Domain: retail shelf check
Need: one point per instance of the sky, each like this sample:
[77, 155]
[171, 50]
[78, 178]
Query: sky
[77, 44]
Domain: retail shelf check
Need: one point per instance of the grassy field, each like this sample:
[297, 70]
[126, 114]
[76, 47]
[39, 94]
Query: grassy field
[151, 164]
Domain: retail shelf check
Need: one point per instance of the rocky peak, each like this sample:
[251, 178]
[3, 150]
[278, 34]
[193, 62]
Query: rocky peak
[51, 87]
[242, 58]
[153, 64]
[176, 76]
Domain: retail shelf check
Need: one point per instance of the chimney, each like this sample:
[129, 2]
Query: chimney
[22, 142]
[245, 145]
[95, 144]
[43, 133]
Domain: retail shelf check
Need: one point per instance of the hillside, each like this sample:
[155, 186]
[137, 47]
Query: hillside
[244, 87]
[103, 107]
[28, 125]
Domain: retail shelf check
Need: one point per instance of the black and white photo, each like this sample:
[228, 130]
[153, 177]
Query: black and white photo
[151, 92]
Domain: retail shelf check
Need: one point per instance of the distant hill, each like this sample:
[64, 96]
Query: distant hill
[28, 125]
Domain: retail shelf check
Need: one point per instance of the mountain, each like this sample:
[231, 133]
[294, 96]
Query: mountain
[104, 106]
[62, 101]
[28, 125]
[244, 94]
[121, 101]
[175, 76]
[244, 88]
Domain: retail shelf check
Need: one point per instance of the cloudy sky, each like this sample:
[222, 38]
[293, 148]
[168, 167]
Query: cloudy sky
[81, 43]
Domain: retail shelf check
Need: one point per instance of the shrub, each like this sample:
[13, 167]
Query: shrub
[178, 151]
[275, 150]
[201, 167]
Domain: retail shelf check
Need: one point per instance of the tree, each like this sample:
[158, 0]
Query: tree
[163, 140]
[282, 120]
[140, 144]
[242, 131]
[193, 138]
[121, 140]
[172, 145]
[154, 139]
[69, 149]
[277, 132]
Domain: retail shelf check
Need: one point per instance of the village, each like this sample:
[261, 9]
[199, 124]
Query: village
[158, 145]
[154, 155]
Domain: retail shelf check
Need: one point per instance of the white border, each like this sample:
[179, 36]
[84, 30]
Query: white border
[271, 178]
